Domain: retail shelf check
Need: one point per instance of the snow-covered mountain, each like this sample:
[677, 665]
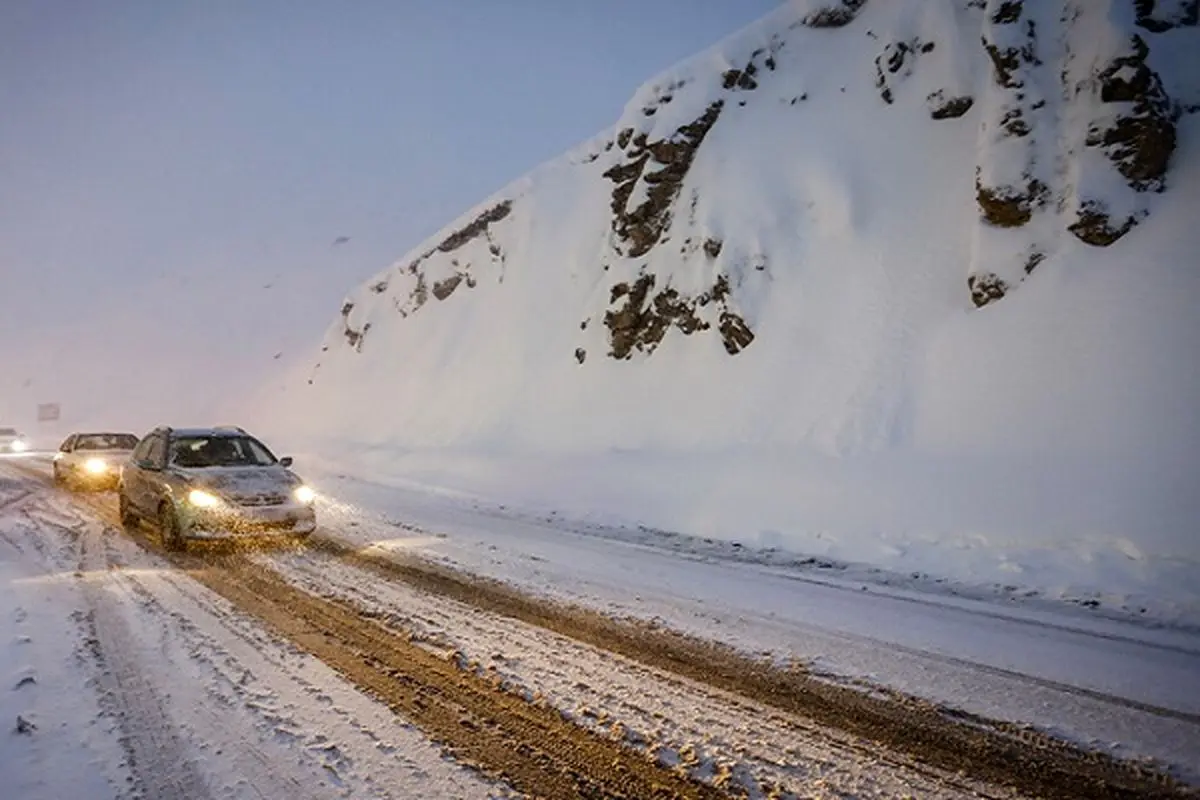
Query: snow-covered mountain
[918, 267]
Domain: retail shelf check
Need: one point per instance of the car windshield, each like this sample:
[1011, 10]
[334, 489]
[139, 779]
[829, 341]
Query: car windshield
[106, 441]
[8, 431]
[197, 452]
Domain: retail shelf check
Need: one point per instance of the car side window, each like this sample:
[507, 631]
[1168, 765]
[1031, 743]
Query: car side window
[66, 445]
[157, 452]
[139, 452]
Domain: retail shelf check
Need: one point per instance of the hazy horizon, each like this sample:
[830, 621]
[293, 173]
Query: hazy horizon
[165, 165]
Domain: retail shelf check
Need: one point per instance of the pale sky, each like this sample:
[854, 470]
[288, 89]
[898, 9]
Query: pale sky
[159, 151]
[138, 135]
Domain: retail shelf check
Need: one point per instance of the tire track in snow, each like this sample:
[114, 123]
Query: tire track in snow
[529, 746]
[1034, 762]
[156, 752]
[260, 717]
[994, 751]
[728, 740]
[249, 670]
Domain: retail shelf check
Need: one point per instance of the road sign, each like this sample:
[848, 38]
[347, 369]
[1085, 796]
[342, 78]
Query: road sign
[48, 412]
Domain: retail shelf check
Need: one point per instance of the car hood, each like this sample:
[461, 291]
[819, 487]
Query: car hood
[241, 481]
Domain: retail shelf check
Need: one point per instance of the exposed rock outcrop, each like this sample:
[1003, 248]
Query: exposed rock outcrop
[1094, 224]
[1010, 207]
[835, 15]
[942, 107]
[1160, 16]
[353, 337]
[1139, 142]
[986, 288]
[896, 63]
[477, 227]
[641, 227]
[1136, 132]
[642, 316]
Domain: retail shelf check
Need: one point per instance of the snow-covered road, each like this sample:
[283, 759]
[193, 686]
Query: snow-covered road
[187, 694]
[1115, 685]
[137, 682]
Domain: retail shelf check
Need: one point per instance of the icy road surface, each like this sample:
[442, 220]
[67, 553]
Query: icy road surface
[133, 680]
[321, 671]
[171, 691]
[1114, 685]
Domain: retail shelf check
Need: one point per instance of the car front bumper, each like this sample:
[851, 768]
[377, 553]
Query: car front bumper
[244, 521]
[97, 480]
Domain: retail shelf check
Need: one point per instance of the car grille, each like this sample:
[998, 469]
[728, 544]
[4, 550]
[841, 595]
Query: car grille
[261, 500]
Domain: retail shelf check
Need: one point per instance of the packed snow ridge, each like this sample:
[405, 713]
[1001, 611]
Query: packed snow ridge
[943, 246]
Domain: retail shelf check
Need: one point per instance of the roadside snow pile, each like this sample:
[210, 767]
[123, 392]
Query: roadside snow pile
[901, 283]
[54, 739]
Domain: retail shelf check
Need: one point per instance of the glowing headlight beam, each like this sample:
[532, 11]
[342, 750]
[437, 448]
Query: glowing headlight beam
[304, 494]
[202, 499]
[96, 465]
[19, 446]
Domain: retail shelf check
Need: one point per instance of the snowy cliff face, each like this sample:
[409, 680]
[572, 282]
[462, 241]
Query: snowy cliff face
[852, 227]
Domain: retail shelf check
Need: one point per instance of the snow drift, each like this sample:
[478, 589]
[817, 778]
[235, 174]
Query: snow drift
[902, 282]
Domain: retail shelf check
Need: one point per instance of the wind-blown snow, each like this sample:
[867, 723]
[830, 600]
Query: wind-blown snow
[797, 297]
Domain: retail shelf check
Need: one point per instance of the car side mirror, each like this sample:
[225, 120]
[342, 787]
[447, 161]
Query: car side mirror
[285, 462]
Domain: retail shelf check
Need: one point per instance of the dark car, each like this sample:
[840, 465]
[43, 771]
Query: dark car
[206, 483]
[92, 460]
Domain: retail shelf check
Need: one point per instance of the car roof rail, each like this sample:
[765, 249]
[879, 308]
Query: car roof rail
[237, 428]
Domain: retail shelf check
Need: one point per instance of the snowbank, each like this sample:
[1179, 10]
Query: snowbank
[850, 284]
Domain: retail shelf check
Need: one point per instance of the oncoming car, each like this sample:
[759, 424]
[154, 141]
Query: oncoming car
[205, 483]
[92, 460]
[11, 441]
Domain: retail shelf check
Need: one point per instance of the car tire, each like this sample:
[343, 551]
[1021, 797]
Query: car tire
[58, 477]
[170, 530]
[129, 520]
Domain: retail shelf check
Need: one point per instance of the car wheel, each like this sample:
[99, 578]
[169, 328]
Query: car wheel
[169, 528]
[128, 519]
[58, 478]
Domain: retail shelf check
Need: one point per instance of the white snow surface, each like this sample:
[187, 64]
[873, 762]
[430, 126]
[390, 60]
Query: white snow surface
[177, 695]
[1046, 442]
[1087, 671]
[139, 682]
[715, 737]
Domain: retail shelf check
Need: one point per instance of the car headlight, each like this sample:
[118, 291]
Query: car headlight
[19, 447]
[202, 499]
[304, 494]
[96, 465]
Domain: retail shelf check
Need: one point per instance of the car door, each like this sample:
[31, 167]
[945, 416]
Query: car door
[64, 454]
[133, 478]
[151, 473]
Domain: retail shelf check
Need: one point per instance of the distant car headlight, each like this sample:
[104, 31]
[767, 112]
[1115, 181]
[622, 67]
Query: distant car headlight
[202, 499]
[304, 494]
[19, 446]
[96, 466]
